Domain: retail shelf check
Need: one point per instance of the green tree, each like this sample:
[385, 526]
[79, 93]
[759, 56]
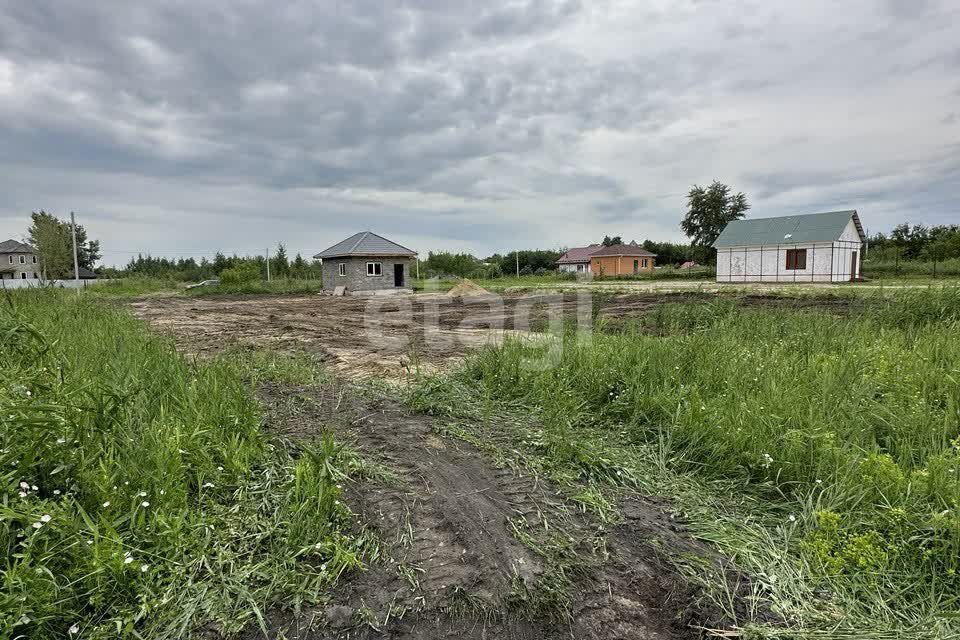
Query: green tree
[609, 242]
[52, 239]
[279, 265]
[711, 209]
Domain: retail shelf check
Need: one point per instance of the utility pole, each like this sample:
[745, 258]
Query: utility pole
[418, 267]
[517, 254]
[76, 263]
[268, 264]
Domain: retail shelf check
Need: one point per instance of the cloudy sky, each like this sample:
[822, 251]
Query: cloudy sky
[190, 126]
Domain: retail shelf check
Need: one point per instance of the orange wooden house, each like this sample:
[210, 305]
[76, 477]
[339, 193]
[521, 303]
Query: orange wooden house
[621, 260]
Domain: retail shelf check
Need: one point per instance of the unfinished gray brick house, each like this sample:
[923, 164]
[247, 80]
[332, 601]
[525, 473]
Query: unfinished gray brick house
[366, 263]
[18, 261]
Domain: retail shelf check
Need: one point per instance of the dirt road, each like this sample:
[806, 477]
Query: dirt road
[453, 562]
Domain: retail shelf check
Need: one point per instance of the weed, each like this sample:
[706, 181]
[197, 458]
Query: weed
[139, 497]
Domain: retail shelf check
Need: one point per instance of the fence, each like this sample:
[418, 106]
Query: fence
[19, 283]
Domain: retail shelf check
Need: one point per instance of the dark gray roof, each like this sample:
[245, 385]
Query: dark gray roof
[12, 246]
[814, 227]
[365, 243]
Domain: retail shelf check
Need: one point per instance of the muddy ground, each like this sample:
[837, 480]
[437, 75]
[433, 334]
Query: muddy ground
[453, 564]
[392, 337]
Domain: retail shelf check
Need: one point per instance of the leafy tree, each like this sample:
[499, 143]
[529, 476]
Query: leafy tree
[244, 271]
[711, 209]
[53, 241]
[609, 242]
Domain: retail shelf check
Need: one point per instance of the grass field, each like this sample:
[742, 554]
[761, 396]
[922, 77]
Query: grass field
[140, 497]
[820, 450]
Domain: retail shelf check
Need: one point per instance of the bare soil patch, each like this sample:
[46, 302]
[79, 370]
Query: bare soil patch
[394, 336]
[452, 563]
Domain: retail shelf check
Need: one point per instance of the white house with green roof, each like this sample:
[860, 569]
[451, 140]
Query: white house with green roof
[818, 247]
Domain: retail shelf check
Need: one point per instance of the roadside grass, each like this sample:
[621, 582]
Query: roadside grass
[819, 451]
[132, 287]
[277, 286]
[140, 497]
[911, 269]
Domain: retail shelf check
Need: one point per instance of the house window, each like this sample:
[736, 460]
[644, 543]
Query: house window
[36, 275]
[23, 275]
[34, 259]
[23, 259]
[11, 259]
[374, 268]
[796, 259]
[342, 269]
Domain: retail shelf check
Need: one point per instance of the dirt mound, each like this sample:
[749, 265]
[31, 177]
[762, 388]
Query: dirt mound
[468, 289]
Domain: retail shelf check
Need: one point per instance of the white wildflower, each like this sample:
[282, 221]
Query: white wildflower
[56, 492]
[106, 504]
[61, 440]
[74, 629]
[144, 568]
[207, 485]
[37, 525]
[144, 504]
[128, 560]
[142, 494]
[792, 518]
[45, 518]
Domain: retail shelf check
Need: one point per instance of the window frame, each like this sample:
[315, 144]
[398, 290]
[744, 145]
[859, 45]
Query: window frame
[374, 269]
[796, 260]
[342, 269]
[23, 259]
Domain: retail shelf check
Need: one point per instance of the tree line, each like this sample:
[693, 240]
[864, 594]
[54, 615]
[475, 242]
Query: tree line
[709, 210]
[232, 267]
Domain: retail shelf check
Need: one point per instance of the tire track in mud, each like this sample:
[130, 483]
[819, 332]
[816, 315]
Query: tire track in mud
[453, 565]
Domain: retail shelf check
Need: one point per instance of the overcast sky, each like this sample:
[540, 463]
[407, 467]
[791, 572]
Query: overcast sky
[192, 126]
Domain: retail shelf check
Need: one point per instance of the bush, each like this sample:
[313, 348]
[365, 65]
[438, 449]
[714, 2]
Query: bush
[240, 274]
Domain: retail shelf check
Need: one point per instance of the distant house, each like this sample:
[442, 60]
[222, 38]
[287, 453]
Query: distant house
[18, 261]
[818, 247]
[366, 263]
[621, 260]
[577, 259]
[86, 274]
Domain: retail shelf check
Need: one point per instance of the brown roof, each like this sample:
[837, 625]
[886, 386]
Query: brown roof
[624, 250]
[579, 254]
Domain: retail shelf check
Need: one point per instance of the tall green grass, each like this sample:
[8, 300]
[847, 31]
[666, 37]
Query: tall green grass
[848, 424]
[139, 496]
[880, 269]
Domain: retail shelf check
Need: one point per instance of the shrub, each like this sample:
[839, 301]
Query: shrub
[240, 274]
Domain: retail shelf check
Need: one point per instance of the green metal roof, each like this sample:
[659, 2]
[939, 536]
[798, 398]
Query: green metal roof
[814, 227]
